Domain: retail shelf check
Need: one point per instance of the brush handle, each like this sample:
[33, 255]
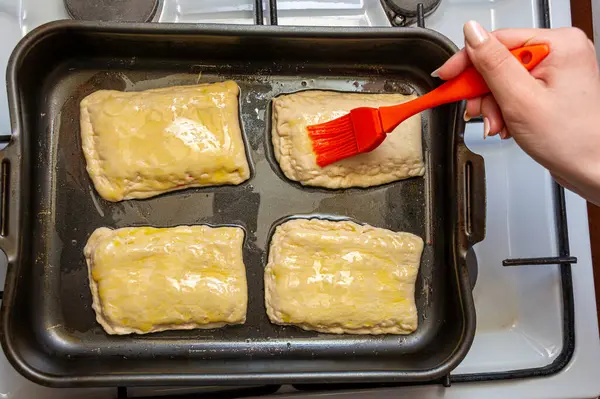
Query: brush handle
[469, 84]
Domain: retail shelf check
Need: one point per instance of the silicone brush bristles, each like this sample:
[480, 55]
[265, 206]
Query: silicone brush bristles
[333, 140]
[349, 135]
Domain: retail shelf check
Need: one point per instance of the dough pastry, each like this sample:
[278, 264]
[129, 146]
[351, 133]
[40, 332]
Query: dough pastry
[145, 279]
[399, 157]
[342, 277]
[141, 144]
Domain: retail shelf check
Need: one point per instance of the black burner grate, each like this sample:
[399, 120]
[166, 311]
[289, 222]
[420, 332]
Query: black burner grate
[408, 12]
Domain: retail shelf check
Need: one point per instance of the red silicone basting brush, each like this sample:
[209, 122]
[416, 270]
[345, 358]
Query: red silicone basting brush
[363, 129]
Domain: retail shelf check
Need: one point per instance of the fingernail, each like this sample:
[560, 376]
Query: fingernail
[435, 73]
[466, 116]
[503, 134]
[475, 35]
[486, 127]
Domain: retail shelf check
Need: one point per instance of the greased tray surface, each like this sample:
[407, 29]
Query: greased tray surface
[63, 345]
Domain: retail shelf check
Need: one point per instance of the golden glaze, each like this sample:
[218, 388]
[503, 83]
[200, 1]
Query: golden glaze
[141, 144]
[146, 279]
[342, 277]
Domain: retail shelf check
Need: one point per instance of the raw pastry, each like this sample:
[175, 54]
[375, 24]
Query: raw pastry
[399, 157]
[141, 144]
[342, 277]
[146, 279]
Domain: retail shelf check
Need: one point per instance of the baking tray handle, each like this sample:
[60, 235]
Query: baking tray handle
[9, 188]
[472, 196]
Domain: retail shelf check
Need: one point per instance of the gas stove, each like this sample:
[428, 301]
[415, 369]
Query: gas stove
[535, 311]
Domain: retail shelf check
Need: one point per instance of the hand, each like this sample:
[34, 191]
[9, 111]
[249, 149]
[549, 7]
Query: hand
[552, 112]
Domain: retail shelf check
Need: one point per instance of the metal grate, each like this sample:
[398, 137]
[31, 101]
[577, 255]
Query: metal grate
[258, 13]
[273, 12]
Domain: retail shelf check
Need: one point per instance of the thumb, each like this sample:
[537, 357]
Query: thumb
[508, 80]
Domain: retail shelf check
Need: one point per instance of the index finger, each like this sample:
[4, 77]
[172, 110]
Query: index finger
[512, 38]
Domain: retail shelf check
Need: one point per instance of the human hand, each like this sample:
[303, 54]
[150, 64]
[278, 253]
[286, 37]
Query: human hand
[552, 112]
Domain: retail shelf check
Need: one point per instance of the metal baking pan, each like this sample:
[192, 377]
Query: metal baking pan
[49, 206]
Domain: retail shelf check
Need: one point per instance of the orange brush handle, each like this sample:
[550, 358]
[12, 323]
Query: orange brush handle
[469, 84]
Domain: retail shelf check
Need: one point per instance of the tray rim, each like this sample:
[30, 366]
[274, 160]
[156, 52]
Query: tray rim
[12, 244]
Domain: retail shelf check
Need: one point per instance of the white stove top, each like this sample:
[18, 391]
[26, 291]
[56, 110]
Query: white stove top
[519, 309]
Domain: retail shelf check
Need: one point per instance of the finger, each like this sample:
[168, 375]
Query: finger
[453, 67]
[491, 113]
[511, 38]
[563, 182]
[505, 76]
[473, 107]
[563, 42]
[514, 38]
[505, 133]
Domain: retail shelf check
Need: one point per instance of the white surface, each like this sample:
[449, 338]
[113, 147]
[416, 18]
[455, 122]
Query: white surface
[212, 11]
[452, 14]
[519, 309]
[11, 33]
[331, 13]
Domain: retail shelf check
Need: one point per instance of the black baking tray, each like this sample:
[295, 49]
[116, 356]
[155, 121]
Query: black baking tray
[49, 206]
